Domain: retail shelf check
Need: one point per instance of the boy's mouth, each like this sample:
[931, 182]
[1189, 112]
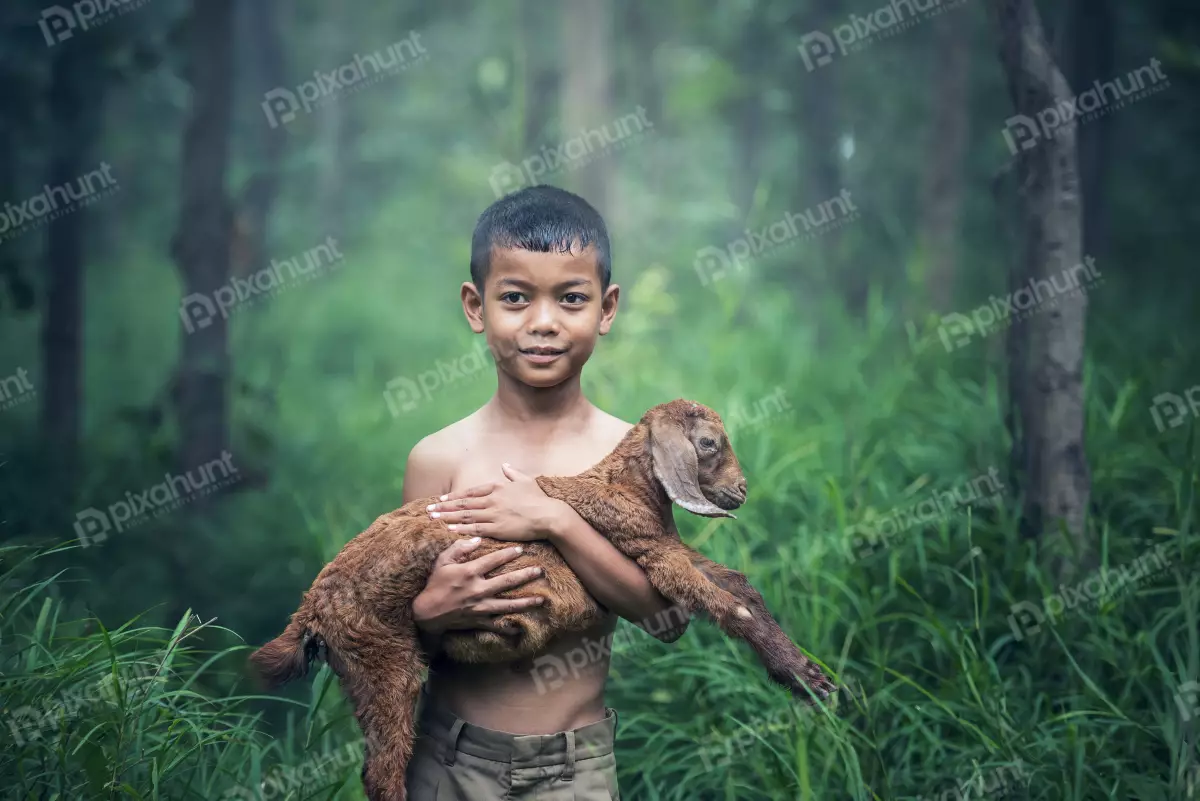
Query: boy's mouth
[542, 354]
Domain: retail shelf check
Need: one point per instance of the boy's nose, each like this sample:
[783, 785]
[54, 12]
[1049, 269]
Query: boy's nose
[544, 322]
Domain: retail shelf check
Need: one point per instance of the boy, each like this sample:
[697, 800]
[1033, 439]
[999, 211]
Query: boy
[540, 292]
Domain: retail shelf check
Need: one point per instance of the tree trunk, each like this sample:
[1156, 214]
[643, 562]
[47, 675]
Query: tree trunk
[943, 179]
[540, 77]
[331, 128]
[75, 114]
[585, 99]
[201, 245]
[815, 110]
[263, 51]
[1090, 48]
[748, 114]
[645, 34]
[1056, 480]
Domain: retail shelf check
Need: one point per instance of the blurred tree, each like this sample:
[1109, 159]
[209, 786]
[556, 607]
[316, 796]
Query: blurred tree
[540, 77]
[644, 32]
[202, 239]
[1089, 57]
[943, 180]
[586, 95]
[261, 52]
[331, 119]
[815, 103]
[747, 113]
[76, 103]
[1049, 371]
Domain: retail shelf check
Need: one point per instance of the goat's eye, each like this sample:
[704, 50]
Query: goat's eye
[707, 442]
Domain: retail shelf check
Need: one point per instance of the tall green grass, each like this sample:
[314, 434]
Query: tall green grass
[954, 694]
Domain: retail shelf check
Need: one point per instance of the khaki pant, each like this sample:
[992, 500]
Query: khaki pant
[456, 761]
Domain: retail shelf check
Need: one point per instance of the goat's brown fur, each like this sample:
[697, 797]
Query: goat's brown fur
[360, 606]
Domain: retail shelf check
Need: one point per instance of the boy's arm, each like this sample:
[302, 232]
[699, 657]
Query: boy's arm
[613, 579]
[424, 475]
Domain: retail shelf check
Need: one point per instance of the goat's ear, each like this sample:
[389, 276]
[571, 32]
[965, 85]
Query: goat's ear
[677, 469]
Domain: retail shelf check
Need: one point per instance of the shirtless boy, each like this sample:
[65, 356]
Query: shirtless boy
[540, 293]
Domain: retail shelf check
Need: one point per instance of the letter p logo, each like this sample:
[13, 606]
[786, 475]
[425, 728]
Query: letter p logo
[1021, 133]
[959, 327]
[816, 49]
[506, 177]
[711, 264]
[280, 106]
[1172, 405]
[1185, 700]
[549, 671]
[196, 311]
[401, 395]
[92, 526]
[1026, 618]
[57, 24]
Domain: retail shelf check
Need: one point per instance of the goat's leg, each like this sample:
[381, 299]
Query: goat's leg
[384, 689]
[726, 596]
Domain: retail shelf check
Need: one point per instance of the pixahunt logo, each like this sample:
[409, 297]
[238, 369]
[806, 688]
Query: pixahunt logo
[15, 389]
[571, 154]
[402, 394]
[197, 310]
[282, 105]
[713, 263]
[56, 201]
[58, 23]
[956, 329]
[818, 48]
[985, 489]
[92, 525]
[1022, 132]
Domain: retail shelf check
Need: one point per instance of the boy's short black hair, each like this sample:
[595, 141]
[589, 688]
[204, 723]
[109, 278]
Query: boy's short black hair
[539, 218]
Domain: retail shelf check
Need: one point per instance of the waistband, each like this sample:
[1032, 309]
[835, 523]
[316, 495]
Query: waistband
[453, 734]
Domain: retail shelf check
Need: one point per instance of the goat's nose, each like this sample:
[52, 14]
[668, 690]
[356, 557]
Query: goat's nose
[742, 485]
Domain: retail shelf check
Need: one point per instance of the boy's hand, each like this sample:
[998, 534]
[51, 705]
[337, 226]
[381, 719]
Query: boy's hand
[515, 511]
[458, 596]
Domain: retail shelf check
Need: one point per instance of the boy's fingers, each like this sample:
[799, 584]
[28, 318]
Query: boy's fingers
[473, 492]
[457, 504]
[483, 528]
[488, 562]
[501, 606]
[455, 550]
[476, 515]
[514, 578]
[512, 473]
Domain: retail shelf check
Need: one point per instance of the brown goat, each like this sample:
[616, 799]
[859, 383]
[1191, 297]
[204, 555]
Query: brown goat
[360, 606]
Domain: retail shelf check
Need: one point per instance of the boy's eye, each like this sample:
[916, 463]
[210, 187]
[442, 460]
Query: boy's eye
[575, 298]
[512, 297]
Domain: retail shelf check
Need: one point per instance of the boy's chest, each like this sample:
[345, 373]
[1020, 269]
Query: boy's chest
[480, 463]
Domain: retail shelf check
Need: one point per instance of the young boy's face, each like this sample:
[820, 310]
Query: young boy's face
[541, 312]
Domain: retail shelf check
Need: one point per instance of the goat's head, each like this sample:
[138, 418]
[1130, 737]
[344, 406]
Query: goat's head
[693, 460]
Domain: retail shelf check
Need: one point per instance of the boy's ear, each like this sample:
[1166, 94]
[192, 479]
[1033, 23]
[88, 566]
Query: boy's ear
[472, 303]
[608, 307]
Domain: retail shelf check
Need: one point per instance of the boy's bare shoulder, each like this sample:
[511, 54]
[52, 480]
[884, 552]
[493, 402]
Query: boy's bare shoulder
[434, 460]
[610, 430]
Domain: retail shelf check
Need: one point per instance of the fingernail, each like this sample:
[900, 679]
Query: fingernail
[435, 515]
[518, 549]
[474, 539]
[452, 527]
[443, 497]
[431, 507]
